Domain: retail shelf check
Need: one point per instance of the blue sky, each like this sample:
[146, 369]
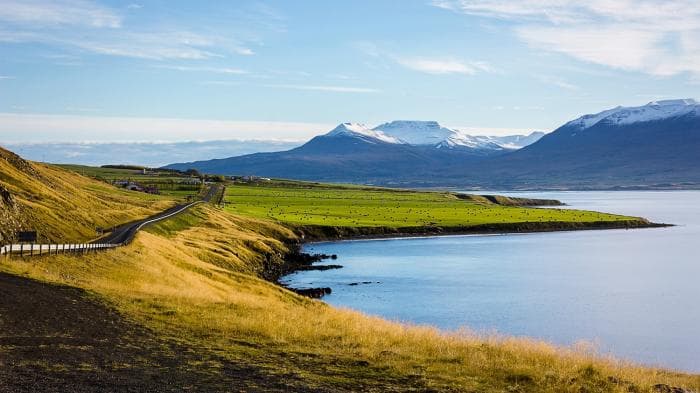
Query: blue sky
[81, 70]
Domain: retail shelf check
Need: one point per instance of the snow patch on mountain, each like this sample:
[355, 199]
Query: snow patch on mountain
[416, 132]
[653, 111]
[515, 142]
[510, 142]
[475, 142]
[431, 133]
[358, 130]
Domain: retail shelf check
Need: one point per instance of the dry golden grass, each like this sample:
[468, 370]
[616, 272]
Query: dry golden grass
[64, 206]
[194, 279]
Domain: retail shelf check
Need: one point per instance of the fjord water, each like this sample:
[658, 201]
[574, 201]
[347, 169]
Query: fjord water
[633, 293]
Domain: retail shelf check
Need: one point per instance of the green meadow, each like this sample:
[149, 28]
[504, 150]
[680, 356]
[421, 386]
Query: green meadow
[168, 183]
[340, 206]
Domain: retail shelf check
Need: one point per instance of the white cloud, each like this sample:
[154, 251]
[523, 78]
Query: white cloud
[335, 89]
[144, 153]
[2, 77]
[16, 127]
[58, 12]
[221, 83]
[429, 65]
[243, 51]
[438, 66]
[657, 37]
[87, 26]
[154, 46]
[160, 45]
[216, 70]
[556, 81]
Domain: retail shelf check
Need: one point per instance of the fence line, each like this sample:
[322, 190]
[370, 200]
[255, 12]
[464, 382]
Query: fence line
[32, 249]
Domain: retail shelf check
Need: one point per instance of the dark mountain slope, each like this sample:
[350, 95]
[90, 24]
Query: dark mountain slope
[605, 155]
[655, 145]
[339, 158]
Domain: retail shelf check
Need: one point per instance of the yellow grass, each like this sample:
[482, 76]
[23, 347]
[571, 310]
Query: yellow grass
[195, 281]
[64, 206]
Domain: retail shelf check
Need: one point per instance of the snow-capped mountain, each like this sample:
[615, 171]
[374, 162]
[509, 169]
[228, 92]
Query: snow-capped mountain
[431, 133]
[653, 111]
[467, 141]
[417, 132]
[654, 145]
[361, 131]
[501, 143]
[515, 142]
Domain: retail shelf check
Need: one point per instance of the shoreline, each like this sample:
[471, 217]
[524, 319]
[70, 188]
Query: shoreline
[332, 234]
[296, 260]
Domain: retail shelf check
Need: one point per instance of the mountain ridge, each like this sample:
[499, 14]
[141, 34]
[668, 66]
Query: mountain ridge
[653, 145]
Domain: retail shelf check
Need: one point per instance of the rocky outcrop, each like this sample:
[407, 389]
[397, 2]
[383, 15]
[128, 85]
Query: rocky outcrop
[663, 388]
[314, 293]
[18, 162]
[5, 197]
[11, 217]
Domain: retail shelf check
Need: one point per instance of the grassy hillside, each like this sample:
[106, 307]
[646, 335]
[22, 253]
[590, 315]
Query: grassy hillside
[189, 294]
[168, 183]
[62, 205]
[194, 281]
[327, 205]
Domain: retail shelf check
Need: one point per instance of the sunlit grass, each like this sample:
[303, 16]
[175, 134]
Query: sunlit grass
[354, 207]
[64, 206]
[168, 184]
[195, 280]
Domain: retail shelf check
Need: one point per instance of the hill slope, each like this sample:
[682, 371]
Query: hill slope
[194, 283]
[185, 307]
[62, 205]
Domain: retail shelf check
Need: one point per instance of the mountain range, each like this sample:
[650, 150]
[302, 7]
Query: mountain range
[654, 145]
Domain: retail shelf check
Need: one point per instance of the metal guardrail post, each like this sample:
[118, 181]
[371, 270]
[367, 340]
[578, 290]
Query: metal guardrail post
[85, 248]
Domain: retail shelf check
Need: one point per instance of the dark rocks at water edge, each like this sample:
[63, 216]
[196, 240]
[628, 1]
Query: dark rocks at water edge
[298, 261]
[277, 265]
[319, 267]
[303, 258]
[314, 293]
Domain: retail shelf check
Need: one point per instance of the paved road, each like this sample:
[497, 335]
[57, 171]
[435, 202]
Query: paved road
[126, 232]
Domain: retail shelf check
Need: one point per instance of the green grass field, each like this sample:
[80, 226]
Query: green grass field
[168, 183]
[105, 173]
[328, 205]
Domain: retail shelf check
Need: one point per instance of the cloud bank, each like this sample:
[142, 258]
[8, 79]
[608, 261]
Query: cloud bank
[147, 154]
[660, 38]
[16, 127]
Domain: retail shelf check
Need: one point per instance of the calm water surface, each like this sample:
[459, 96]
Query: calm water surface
[635, 293]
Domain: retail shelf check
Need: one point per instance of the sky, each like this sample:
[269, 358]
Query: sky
[150, 71]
